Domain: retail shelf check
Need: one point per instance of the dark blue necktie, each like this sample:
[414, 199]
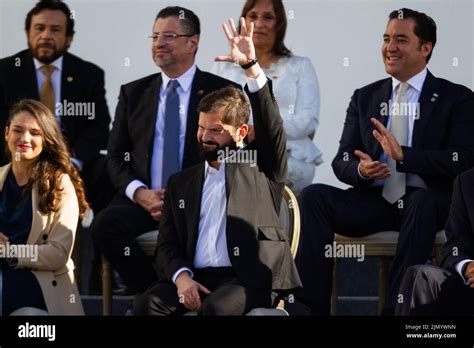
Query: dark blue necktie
[171, 161]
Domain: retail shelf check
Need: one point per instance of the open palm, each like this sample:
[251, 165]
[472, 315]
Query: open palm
[241, 45]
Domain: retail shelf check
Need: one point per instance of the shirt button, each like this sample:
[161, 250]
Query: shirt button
[55, 283]
[45, 236]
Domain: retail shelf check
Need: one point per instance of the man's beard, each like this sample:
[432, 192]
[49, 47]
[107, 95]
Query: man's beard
[48, 59]
[213, 154]
[165, 61]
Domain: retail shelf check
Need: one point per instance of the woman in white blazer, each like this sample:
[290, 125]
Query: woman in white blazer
[41, 199]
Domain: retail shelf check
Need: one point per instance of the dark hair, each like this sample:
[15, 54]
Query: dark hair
[53, 162]
[233, 102]
[189, 19]
[279, 47]
[425, 26]
[53, 6]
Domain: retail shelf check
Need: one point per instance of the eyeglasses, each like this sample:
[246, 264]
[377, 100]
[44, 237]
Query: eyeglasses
[168, 37]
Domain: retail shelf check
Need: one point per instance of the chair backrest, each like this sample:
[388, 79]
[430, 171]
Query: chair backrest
[29, 311]
[290, 218]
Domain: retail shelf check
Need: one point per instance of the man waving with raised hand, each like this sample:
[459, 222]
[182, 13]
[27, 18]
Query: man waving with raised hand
[221, 247]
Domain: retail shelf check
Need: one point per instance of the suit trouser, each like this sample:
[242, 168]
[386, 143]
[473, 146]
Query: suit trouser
[326, 210]
[228, 296]
[114, 231]
[430, 290]
[19, 288]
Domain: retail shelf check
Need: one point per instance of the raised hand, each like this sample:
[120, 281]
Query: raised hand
[241, 45]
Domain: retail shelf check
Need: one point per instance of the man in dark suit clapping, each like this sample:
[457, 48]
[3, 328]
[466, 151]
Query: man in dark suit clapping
[404, 140]
[153, 136]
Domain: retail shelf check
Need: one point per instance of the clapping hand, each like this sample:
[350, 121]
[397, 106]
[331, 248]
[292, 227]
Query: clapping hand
[387, 140]
[370, 168]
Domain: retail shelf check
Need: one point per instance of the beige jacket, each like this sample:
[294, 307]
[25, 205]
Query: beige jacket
[54, 234]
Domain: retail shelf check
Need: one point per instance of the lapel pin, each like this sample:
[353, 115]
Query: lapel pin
[200, 92]
[70, 78]
[433, 97]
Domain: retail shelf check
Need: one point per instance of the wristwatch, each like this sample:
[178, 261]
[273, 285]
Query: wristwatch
[250, 64]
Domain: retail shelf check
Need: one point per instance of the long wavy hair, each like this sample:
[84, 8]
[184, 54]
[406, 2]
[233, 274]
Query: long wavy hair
[53, 161]
[279, 48]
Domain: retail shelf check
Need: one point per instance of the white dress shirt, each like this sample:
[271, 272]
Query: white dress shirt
[415, 85]
[184, 92]
[211, 247]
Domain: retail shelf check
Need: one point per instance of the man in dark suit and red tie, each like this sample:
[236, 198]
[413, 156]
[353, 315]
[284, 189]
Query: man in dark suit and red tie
[221, 248]
[430, 290]
[153, 136]
[404, 140]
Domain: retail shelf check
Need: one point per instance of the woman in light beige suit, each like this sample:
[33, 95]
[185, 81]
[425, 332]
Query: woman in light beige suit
[41, 200]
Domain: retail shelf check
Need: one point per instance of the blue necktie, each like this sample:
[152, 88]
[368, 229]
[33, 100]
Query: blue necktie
[171, 163]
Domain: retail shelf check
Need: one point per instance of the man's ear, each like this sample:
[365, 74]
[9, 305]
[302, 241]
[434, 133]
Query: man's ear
[426, 49]
[194, 41]
[243, 131]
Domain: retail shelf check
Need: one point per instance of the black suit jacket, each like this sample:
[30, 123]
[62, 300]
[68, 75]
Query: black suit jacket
[257, 246]
[131, 138]
[442, 142]
[460, 226]
[81, 82]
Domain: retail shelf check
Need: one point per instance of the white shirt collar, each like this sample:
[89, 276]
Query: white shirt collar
[58, 63]
[416, 81]
[185, 80]
[211, 170]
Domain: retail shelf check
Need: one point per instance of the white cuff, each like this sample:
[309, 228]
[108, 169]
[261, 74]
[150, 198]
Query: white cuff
[254, 85]
[78, 163]
[458, 268]
[132, 187]
[179, 271]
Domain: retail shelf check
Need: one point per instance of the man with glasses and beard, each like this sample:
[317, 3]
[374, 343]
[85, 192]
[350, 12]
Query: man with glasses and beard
[153, 136]
[221, 248]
